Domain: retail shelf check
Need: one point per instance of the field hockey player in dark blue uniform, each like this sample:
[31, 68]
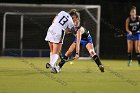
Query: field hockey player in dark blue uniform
[133, 35]
[82, 37]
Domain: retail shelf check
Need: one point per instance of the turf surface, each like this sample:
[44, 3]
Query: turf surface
[29, 75]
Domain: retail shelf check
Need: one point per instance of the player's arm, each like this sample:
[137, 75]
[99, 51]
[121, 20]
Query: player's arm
[78, 36]
[127, 26]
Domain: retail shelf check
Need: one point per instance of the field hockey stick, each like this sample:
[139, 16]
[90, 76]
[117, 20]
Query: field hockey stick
[60, 55]
[71, 59]
[120, 34]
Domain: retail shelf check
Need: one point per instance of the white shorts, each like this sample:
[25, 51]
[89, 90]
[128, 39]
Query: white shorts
[55, 34]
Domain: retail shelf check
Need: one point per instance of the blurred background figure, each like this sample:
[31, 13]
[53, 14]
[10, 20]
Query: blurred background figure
[133, 35]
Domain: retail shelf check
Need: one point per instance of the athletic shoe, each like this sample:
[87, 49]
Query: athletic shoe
[53, 70]
[58, 68]
[129, 62]
[48, 65]
[101, 67]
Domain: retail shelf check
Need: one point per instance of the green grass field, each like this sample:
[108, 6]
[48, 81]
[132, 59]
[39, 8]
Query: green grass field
[29, 75]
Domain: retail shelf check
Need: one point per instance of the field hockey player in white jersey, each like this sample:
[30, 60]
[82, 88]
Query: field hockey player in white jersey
[55, 36]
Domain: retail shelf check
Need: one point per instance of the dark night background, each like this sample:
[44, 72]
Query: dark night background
[113, 15]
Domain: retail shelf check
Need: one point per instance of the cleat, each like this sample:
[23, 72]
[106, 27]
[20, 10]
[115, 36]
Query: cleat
[129, 63]
[48, 65]
[101, 67]
[53, 70]
[58, 69]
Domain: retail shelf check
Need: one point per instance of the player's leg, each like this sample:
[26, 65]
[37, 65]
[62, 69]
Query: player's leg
[50, 39]
[55, 56]
[137, 49]
[94, 56]
[51, 49]
[67, 54]
[70, 50]
[129, 51]
[55, 53]
[55, 47]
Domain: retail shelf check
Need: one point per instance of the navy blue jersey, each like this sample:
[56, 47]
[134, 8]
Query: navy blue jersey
[85, 38]
[134, 26]
[85, 33]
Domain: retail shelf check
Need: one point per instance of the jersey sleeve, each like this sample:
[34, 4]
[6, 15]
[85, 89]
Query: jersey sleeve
[82, 30]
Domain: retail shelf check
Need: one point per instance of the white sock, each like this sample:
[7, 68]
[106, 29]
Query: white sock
[53, 60]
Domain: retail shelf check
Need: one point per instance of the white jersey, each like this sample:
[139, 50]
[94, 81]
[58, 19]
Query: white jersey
[63, 20]
[56, 31]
